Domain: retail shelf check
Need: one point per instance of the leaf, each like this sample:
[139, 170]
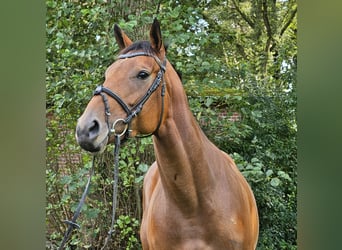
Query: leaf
[208, 102]
[256, 113]
[275, 182]
[92, 213]
[205, 64]
[143, 167]
[174, 13]
[139, 179]
[254, 160]
[269, 172]
[65, 180]
[284, 175]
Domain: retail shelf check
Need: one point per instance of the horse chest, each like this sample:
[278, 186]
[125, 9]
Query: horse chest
[166, 227]
[187, 234]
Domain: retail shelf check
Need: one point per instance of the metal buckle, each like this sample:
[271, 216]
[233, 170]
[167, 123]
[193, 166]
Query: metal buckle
[114, 124]
[98, 90]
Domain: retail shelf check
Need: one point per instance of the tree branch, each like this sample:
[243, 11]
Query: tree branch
[266, 20]
[243, 15]
[158, 7]
[289, 21]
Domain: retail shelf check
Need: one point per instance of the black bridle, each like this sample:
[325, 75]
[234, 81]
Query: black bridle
[136, 109]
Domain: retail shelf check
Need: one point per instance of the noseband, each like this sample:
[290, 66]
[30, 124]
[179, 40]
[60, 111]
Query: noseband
[135, 110]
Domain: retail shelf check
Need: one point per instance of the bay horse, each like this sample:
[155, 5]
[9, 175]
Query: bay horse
[194, 196]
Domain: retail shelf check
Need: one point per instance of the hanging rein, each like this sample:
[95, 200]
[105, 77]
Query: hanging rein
[131, 113]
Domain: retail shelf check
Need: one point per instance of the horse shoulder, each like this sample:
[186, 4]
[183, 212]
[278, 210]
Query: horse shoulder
[150, 181]
[245, 218]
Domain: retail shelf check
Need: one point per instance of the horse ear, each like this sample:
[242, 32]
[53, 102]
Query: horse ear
[121, 38]
[155, 36]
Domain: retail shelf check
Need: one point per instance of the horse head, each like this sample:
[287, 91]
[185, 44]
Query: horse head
[130, 101]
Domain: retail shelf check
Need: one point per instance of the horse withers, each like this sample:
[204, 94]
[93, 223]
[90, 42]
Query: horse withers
[194, 196]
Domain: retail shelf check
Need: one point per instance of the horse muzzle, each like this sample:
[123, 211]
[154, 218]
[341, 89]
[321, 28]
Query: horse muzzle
[91, 134]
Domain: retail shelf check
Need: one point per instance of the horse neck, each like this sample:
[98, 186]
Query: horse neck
[181, 150]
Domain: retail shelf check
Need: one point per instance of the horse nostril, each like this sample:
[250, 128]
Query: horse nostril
[94, 129]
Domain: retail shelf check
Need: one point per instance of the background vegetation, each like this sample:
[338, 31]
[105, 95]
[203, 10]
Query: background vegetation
[238, 65]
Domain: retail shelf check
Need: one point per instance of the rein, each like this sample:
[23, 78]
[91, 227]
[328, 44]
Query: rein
[131, 113]
[72, 224]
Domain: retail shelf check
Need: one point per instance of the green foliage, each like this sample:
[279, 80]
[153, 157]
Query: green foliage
[128, 227]
[240, 81]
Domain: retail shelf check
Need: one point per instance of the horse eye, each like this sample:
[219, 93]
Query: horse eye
[143, 75]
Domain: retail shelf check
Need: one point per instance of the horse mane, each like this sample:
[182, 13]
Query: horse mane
[146, 47]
